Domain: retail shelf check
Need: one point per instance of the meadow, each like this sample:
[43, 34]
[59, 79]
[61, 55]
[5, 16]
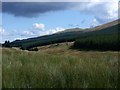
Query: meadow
[0, 68]
[59, 67]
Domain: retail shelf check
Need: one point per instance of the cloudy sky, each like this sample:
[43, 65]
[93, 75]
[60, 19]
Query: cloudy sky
[31, 19]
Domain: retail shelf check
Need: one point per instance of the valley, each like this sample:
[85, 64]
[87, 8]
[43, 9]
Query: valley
[59, 44]
[69, 59]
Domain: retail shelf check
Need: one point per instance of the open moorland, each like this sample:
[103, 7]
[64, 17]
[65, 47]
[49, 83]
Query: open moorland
[58, 66]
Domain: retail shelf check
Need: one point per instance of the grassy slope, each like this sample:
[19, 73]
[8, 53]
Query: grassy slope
[58, 66]
[106, 29]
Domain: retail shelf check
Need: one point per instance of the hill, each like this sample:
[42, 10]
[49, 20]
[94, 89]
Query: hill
[68, 35]
[110, 24]
[104, 37]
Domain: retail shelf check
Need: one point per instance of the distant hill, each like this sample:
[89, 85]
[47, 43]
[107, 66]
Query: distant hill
[67, 35]
[110, 24]
[74, 30]
[100, 27]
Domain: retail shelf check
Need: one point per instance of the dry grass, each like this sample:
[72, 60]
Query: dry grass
[59, 68]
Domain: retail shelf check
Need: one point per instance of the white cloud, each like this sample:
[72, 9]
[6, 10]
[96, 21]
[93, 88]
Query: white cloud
[57, 29]
[112, 10]
[50, 31]
[102, 11]
[34, 33]
[39, 26]
[27, 33]
[3, 32]
[94, 23]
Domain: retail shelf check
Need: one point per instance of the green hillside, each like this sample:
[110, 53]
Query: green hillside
[66, 37]
[107, 39]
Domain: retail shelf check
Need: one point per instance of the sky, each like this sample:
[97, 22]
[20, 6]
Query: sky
[21, 20]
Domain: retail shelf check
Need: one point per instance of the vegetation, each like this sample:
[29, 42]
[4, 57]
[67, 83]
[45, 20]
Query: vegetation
[6, 44]
[59, 67]
[0, 68]
[100, 42]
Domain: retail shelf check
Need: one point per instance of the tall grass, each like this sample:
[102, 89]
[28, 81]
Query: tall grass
[0, 68]
[22, 69]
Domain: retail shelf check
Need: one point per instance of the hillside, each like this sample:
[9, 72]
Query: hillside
[110, 24]
[67, 36]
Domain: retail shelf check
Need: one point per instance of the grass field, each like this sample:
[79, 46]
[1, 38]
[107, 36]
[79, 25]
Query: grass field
[59, 67]
[0, 68]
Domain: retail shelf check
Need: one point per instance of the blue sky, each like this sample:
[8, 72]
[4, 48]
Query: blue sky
[21, 21]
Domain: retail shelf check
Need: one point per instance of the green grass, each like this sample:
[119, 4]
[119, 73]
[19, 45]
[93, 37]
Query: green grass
[59, 68]
[0, 68]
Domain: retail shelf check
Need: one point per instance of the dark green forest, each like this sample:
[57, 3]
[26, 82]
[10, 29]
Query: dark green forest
[100, 42]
